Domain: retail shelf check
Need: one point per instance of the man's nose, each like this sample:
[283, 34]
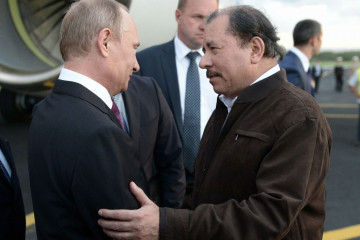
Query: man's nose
[136, 66]
[202, 24]
[205, 62]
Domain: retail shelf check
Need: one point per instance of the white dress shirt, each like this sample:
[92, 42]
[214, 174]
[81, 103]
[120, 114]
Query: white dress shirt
[304, 60]
[207, 95]
[93, 86]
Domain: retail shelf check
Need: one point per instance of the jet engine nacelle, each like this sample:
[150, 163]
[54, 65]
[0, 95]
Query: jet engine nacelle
[30, 59]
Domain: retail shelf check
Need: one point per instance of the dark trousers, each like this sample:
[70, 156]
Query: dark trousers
[317, 81]
[339, 84]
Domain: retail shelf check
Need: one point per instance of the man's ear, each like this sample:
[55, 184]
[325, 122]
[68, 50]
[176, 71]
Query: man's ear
[103, 41]
[314, 40]
[177, 15]
[257, 49]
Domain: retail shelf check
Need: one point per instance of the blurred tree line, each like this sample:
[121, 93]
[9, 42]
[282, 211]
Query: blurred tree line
[328, 56]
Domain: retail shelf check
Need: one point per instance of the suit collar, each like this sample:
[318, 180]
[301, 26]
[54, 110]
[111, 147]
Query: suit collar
[5, 148]
[132, 110]
[168, 63]
[93, 86]
[305, 81]
[79, 91]
[305, 63]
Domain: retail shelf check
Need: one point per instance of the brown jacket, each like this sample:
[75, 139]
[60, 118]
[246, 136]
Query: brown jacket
[263, 175]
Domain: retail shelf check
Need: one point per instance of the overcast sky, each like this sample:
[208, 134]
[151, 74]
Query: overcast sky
[340, 19]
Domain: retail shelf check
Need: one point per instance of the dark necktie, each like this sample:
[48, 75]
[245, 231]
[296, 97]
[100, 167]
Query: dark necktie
[4, 171]
[192, 113]
[115, 110]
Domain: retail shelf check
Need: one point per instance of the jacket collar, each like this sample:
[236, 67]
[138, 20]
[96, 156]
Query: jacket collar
[79, 91]
[263, 88]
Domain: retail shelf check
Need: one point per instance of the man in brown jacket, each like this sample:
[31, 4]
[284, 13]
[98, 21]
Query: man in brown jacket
[264, 156]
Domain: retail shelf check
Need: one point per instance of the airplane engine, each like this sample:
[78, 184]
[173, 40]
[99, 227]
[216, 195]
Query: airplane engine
[30, 59]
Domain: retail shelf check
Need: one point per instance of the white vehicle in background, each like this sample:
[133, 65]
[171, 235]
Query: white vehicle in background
[30, 59]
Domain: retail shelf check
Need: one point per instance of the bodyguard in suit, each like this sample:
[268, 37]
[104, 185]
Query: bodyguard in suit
[152, 127]
[188, 92]
[307, 37]
[80, 156]
[12, 217]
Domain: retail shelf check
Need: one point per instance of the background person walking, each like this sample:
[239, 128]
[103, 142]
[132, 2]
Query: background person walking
[339, 74]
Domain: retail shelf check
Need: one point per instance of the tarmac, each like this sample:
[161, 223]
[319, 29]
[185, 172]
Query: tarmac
[342, 200]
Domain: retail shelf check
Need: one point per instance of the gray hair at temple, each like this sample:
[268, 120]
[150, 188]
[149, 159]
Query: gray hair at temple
[83, 22]
[246, 22]
[305, 30]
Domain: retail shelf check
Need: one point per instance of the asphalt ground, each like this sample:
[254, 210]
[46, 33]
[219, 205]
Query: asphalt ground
[342, 201]
[343, 192]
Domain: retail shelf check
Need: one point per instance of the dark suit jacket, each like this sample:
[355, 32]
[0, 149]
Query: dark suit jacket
[80, 160]
[12, 214]
[295, 72]
[153, 129]
[159, 62]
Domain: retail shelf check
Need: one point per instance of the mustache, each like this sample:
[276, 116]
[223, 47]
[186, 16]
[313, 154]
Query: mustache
[210, 74]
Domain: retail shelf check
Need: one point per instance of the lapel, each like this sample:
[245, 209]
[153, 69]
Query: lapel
[133, 111]
[5, 148]
[168, 62]
[217, 121]
[304, 77]
[79, 91]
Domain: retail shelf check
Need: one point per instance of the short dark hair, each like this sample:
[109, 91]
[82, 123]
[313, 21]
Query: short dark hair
[246, 22]
[305, 30]
[182, 3]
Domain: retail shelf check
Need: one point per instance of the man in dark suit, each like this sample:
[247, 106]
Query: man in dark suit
[168, 64]
[151, 126]
[307, 37]
[339, 74]
[12, 217]
[80, 157]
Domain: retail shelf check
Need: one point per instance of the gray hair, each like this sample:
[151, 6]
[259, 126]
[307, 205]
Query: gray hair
[246, 22]
[83, 22]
